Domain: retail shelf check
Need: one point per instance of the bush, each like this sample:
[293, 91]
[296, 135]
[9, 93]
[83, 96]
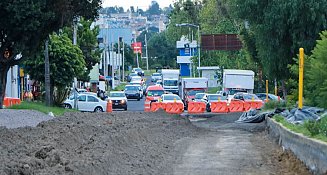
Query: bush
[273, 105]
[317, 127]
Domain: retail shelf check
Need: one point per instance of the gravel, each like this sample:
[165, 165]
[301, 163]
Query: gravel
[10, 118]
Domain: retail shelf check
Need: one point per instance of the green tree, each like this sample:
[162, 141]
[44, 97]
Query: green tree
[154, 9]
[88, 43]
[280, 28]
[162, 51]
[317, 75]
[66, 62]
[26, 24]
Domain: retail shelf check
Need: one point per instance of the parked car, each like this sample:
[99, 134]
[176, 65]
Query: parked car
[153, 93]
[130, 76]
[155, 77]
[200, 97]
[271, 97]
[214, 98]
[132, 92]
[166, 98]
[139, 71]
[118, 100]
[87, 102]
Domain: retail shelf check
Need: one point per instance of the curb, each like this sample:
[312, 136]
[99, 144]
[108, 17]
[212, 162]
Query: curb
[310, 151]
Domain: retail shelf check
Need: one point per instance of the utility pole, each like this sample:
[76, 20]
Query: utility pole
[113, 68]
[119, 59]
[47, 74]
[123, 60]
[146, 52]
[75, 79]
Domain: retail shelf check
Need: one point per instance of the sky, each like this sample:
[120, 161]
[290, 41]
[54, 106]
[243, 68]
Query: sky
[143, 4]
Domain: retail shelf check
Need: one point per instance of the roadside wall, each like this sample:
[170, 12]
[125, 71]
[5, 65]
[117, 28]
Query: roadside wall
[312, 152]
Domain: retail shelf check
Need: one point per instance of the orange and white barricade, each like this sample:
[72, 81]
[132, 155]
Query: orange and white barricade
[252, 105]
[174, 108]
[196, 107]
[236, 106]
[147, 106]
[155, 106]
[219, 107]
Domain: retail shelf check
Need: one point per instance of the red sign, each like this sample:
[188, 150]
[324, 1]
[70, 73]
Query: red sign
[137, 47]
[221, 42]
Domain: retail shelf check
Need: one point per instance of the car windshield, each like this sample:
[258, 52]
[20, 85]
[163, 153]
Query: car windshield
[171, 97]
[133, 74]
[156, 74]
[116, 94]
[170, 83]
[193, 92]
[136, 79]
[199, 96]
[138, 69]
[131, 88]
[216, 97]
[152, 93]
[250, 96]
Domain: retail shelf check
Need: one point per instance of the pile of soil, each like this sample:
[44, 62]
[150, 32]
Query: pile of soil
[91, 143]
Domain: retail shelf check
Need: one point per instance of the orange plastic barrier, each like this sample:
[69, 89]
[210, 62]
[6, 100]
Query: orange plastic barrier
[147, 106]
[109, 107]
[174, 108]
[236, 106]
[15, 101]
[252, 105]
[219, 107]
[196, 107]
[155, 106]
[6, 102]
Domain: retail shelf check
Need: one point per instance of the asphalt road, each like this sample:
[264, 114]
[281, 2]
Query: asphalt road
[134, 105]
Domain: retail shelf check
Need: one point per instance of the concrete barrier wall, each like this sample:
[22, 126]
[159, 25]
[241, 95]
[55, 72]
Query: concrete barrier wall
[312, 152]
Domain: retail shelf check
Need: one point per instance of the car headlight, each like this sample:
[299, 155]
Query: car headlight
[123, 101]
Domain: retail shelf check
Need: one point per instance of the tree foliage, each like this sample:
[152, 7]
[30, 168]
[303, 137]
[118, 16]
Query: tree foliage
[24, 25]
[66, 62]
[280, 28]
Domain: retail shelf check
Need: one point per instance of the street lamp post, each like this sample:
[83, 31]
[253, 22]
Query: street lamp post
[199, 49]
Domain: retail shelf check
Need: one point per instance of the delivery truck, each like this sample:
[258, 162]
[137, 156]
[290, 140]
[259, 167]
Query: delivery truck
[191, 86]
[170, 80]
[235, 80]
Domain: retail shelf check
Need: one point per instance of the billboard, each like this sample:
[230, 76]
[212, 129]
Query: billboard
[137, 47]
[220, 42]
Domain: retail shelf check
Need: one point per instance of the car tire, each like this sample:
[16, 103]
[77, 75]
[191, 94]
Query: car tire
[98, 109]
[125, 108]
[67, 106]
[138, 99]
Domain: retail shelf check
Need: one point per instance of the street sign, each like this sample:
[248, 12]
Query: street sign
[137, 47]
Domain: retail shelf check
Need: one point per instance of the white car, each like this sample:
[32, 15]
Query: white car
[136, 78]
[167, 98]
[139, 71]
[155, 77]
[159, 83]
[118, 99]
[87, 102]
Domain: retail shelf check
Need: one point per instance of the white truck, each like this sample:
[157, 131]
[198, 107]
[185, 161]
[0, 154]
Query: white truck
[170, 80]
[190, 86]
[235, 80]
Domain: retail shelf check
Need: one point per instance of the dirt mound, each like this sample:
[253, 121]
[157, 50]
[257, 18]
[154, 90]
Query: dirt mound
[85, 143]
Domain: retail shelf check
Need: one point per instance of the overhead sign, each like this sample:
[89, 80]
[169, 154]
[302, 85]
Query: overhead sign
[137, 47]
[220, 42]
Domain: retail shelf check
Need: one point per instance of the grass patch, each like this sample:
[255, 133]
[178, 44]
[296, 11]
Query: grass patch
[270, 105]
[38, 106]
[312, 129]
